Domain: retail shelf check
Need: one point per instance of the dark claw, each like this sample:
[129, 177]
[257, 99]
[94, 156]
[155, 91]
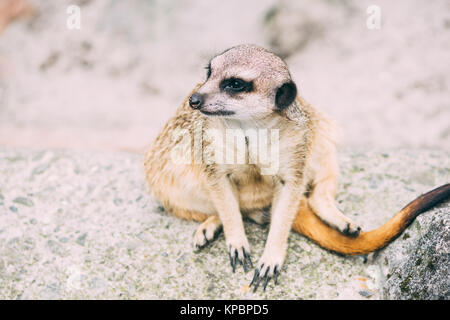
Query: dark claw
[200, 247]
[235, 259]
[266, 276]
[276, 272]
[258, 277]
[258, 280]
[247, 259]
[265, 282]
[206, 239]
[364, 256]
[244, 265]
[351, 233]
[216, 234]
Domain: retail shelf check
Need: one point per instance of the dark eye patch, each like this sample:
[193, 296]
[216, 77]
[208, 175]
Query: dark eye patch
[236, 85]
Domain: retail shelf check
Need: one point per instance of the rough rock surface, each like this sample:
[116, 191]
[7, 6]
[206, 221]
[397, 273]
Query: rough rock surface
[81, 225]
[421, 270]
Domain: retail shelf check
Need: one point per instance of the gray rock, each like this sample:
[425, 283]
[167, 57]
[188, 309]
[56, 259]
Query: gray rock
[86, 246]
[420, 269]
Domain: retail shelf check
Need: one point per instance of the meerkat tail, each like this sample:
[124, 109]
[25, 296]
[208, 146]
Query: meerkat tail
[309, 225]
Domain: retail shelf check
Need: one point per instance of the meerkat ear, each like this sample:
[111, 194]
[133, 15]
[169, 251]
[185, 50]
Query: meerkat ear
[285, 95]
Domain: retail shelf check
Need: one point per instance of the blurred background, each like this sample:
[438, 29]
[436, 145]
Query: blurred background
[113, 83]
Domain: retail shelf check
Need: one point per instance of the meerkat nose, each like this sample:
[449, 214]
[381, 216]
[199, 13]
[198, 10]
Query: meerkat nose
[196, 100]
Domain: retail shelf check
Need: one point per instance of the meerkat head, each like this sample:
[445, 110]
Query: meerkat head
[245, 82]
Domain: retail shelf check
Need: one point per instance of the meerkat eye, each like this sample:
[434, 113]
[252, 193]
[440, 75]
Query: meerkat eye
[234, 85]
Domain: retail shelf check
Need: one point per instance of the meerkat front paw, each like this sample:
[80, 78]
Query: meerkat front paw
[239, 252]
[269, 266]
[207, 232]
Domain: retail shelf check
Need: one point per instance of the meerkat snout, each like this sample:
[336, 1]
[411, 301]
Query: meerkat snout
[196, 100]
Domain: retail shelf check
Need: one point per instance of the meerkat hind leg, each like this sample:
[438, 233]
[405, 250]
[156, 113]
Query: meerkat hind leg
[321, 201]
[207, 232]
[322, 196]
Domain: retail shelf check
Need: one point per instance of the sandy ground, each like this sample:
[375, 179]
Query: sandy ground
[112, 84]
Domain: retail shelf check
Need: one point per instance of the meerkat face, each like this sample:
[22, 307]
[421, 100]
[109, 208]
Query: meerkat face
[245, 82]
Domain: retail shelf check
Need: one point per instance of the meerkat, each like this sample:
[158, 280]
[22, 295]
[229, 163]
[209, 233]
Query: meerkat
[248, 87]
